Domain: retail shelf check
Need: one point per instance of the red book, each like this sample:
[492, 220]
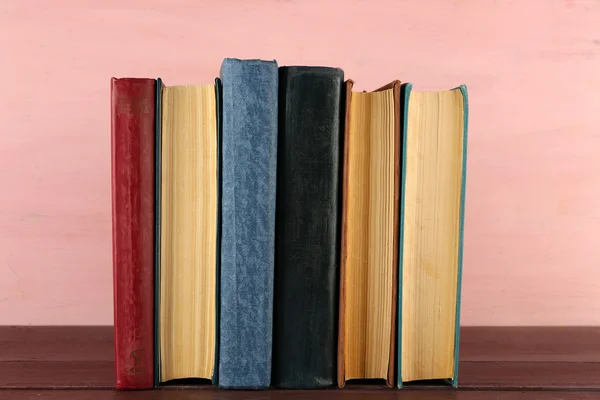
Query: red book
[132, 126]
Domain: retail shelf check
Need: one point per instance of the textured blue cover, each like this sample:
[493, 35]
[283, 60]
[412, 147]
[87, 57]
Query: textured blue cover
[249, 158]
[406, 89]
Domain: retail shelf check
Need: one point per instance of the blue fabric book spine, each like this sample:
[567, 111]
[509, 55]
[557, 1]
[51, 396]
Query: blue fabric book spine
[405, 95]
[249, 158]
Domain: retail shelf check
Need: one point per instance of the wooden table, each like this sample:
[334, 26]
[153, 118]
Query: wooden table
[540, 363]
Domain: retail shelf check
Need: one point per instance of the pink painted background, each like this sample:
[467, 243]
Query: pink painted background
[532, 245]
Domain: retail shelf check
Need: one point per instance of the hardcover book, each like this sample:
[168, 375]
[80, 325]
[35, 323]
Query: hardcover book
[311, 113]
[249, 161]
[187, 273]
[132, 147]
[369, 248]
[431, 242]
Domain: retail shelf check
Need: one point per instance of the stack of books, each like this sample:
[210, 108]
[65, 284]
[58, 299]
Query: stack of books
[279, 228]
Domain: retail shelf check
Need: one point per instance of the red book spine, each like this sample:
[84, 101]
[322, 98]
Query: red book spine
[132, 134]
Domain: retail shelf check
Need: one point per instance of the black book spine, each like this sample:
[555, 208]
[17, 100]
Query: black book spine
[308, 223]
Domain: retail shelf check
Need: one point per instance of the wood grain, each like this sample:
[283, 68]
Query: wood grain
[529, 375]
[531, 359]
[57, 374]
[530, 344]
[215, 394]
[56, 343]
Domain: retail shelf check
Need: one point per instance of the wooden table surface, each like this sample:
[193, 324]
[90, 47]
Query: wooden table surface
[495, 363]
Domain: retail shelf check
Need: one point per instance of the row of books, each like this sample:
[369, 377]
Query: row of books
[279, 228]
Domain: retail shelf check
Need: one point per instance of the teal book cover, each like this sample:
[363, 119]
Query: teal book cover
[458, 167]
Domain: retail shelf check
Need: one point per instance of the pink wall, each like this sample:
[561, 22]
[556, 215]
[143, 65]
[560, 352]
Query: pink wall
[532, 246]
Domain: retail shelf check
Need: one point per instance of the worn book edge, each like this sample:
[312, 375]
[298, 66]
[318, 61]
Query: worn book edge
[406, 89]
[396, 86]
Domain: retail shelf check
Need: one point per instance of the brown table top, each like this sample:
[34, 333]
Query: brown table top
[495, 363]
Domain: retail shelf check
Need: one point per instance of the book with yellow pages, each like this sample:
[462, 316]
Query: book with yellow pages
[369, 250]
[187, 232]
[431, 233]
